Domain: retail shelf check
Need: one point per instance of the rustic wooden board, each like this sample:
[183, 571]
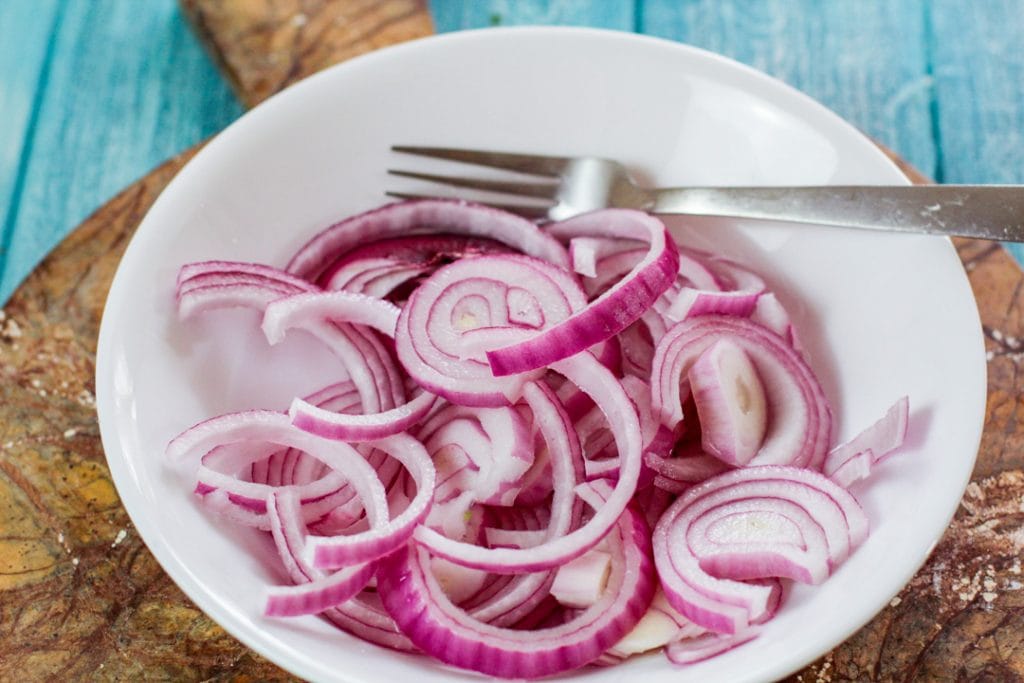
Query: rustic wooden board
[81, 597]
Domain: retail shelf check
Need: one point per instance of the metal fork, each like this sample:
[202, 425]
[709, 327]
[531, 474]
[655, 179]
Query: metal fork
[568, 186]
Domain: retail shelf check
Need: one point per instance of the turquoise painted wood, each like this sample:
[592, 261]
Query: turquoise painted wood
[977, 64]
[452, 15]
[24, 67]
[845, 55]
[121, 86]
[95, 92]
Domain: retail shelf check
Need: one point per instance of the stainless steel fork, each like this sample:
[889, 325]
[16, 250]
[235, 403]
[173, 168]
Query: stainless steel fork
[567, 186]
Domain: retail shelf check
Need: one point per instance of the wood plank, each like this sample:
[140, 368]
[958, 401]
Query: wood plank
[864, 60]
[24, 63]
[126, 89]
[454, 15]
[977, 63]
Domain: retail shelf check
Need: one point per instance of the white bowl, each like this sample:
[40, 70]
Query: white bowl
[881, 315]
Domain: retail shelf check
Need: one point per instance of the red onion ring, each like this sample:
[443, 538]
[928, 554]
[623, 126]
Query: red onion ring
[429, 215]
[420, 608]
[610, 313]
[798, 430]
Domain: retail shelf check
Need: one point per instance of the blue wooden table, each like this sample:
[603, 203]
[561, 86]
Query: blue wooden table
[93, 93]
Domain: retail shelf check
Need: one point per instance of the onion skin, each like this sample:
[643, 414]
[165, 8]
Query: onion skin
[854, 460]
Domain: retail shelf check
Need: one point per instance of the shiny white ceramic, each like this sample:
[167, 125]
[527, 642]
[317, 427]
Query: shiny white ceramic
[880, 315]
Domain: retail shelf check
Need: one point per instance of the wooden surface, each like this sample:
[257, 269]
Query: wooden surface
[80, 597]
[94, 93]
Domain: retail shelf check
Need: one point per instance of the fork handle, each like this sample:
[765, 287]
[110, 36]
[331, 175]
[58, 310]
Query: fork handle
[992, 212]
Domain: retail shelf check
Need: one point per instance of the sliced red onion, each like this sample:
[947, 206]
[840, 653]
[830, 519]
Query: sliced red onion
[432, 622]
[431, 215]
[221, 489]
[580, 583]
[354, 275]
[729, 606]
[605, 390]
[360, 617]
[611, 268]
[367, 362]
[264, 426]
[489, 489]
[309, 311]
[458, 583]
[730, 402]
[735, 291]
[585, 252]
[465, 299]
[365, 618]
[192, 273]
[348, 427]
[754, 539]
[523, 595]
[698, 648]
[340, 551]
[515, 538]
[304, 309]
[687, 470]
[496, 443]
[695, 272]
[690, 303]
[855, 459]
[660, 625]
[637, 350]
[321, 593]
[566, 469]
[854, 469]
[770, 313]
[800, 420]
[370, 370]
[653, 501]
[610, 313]
[422, 253]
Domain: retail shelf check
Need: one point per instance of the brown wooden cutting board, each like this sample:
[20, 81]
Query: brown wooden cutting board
[82, 598]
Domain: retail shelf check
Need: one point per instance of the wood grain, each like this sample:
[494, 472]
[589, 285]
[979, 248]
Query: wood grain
[81, 597]
[115, 91]
[20, 72]
[264, 45]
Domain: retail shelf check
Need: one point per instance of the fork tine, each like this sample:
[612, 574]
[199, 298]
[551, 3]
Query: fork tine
[523, 163]
[538, 190]
[525, 210]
